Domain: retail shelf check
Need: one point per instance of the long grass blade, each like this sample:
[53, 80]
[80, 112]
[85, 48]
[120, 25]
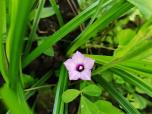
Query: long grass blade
[58, 13]
[58, 35]
[62, 85]
[3, 67]
[34, 26]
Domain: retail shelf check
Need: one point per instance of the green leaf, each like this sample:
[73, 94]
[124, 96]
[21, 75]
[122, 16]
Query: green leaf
[107, 107]
[88, 107]
[27, 80]
[58, 35]
[116, 95]
[46, 12]
[92, 90]
[137, 101]
[144, 5]
[34, 27]
[9, 98]
[61, 87]
[124, 36]
[118, 9]
[49, 51]
[57, 11]
[133, 79]
[70, 94]
[3, 65]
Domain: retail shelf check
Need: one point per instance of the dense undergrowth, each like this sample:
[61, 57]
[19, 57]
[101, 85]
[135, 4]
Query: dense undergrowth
[38, 36]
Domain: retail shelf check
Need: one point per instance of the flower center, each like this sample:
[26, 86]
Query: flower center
[80, 67]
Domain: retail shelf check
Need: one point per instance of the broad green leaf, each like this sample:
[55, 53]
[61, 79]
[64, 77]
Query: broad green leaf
[144, 5]
[124, 37]
[46, 12]
[92, 90]
[70, 94]
[137, 101]
[88, 107]
[108, 75]
[116, 95]
[107, 107]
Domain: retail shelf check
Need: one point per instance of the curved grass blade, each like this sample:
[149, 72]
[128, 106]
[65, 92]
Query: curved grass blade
[58, 35]
[116, 95]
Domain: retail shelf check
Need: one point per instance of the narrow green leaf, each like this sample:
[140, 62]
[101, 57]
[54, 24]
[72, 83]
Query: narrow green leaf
[3, 68]
[34, 26]
[61, 86]
[15, 40]
[58, 35]
[70, 94]
[58, 13]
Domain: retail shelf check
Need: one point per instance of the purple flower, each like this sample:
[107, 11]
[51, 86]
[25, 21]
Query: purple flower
[79, 67]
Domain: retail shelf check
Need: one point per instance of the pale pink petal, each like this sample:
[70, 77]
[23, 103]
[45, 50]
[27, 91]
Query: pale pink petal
[88, 62]
[74, 75]
[69, 64]
[86, 75]
[78, 57]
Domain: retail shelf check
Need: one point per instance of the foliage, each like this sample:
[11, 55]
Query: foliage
[115, 33]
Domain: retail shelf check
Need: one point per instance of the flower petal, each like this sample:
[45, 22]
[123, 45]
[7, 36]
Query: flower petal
[69, 64]
[86, 75]
[73, 75]
[88, 62]
[78, 57]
